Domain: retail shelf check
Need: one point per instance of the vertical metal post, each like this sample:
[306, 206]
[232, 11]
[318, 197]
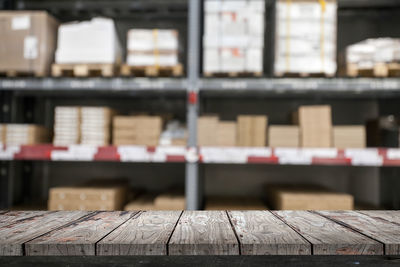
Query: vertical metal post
[192, 183]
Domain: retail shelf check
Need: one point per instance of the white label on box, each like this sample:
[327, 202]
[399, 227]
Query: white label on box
[20, 23]
[30, 47]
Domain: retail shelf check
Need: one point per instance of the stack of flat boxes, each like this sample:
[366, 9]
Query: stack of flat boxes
[251, 131]
[93, 195]
[315, 124]
[96, 125]
[283, 136]
[66, 126]
[305, 39]
[353, 136]
[152, 47]
[213, 132]
[137, 130]
[25, 134]
[2, 134]
[234, 36]
[226, 133]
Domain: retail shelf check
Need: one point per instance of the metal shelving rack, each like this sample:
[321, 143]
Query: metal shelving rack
[193, 86]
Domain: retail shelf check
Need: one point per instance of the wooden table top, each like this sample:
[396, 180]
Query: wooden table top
[76, 233]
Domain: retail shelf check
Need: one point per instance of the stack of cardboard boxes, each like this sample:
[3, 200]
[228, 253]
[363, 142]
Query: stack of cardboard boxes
[251, 131]
[283, 136]
[137, 130]
[305, 37]
[93, 195]
[213, 132]
[170, 200]
[24, 134]
[307, 197]
[2, 134]
[67, 126]
[349, 136]
[28, 41]
[234, 36]
[152, 47]
[96, 125]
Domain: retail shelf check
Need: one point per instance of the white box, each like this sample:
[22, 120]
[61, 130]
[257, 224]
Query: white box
[211, 62]
[93, 41]
[233, 24]
[254, 60]
[155, 39]
[232, 60]
[142, 59]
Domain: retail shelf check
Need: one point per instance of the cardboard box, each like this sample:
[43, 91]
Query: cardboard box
[93, 41]
[315, 124]
[283, 136]
[28, 40]
[144, 40]
[173, 200]
[226, 134]
[206, 131]
[234, 203]
[305, 37]
[25, 134]
[305, 197]
[143, 202]
[2, 133]
[95, 195]
[353, 136]
[67, 125]
[251, 130]
[96, 125]
[137, 130]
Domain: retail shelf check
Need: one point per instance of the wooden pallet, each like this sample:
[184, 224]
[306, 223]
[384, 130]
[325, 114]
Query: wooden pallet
[303, 75]
[83, 70]
[378, 70]
[18, 73]
[232, 74]
[152, 71]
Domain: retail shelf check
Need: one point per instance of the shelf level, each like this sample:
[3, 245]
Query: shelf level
[209, 155]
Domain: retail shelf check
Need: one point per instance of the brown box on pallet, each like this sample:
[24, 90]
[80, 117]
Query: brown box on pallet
[28, 41]
[234, 203]
[207, 127]
[353, 136]
[283, 136]
[226, 134]
[251, 130]
[303, 197]
[173, 200]
[315, 124]
[95, 195]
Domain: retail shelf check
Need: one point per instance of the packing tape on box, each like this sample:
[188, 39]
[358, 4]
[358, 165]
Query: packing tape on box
[156, 52]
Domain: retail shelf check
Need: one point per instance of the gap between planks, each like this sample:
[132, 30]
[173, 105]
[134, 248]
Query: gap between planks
[173, 230]
[234, 231]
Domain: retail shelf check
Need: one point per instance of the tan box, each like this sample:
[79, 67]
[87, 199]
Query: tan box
[234, 203]
[302, 197]
[26, 134]
[353, 136]
[251, 130]
[170, 201]
[143, 202]
[226, 134]
[96, 195]
[283, 136]
[2, 133]
[315, 124]
[206, 131]
[28, 41]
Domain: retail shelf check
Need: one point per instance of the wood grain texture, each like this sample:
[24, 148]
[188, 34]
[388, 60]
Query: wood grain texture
[328, 237]
[146, 234]
[14, 216]
[79, 238]
[379, 229]
[261, 233]
[203, 233]
[388, 215]
[3, 211]
[13, 236]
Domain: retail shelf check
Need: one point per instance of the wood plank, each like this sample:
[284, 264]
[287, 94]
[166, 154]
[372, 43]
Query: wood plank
[147, 234]
[261, 233]
[18, 216]
[13, 236]
[3, 211]
[328, 237]
[379, 229]
[79, 238]
[388, 215]
[203, 233]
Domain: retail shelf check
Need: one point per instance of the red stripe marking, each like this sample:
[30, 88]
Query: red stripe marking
[175, 158]
[267, 160]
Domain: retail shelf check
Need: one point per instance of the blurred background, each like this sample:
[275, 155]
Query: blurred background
[186, 104]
